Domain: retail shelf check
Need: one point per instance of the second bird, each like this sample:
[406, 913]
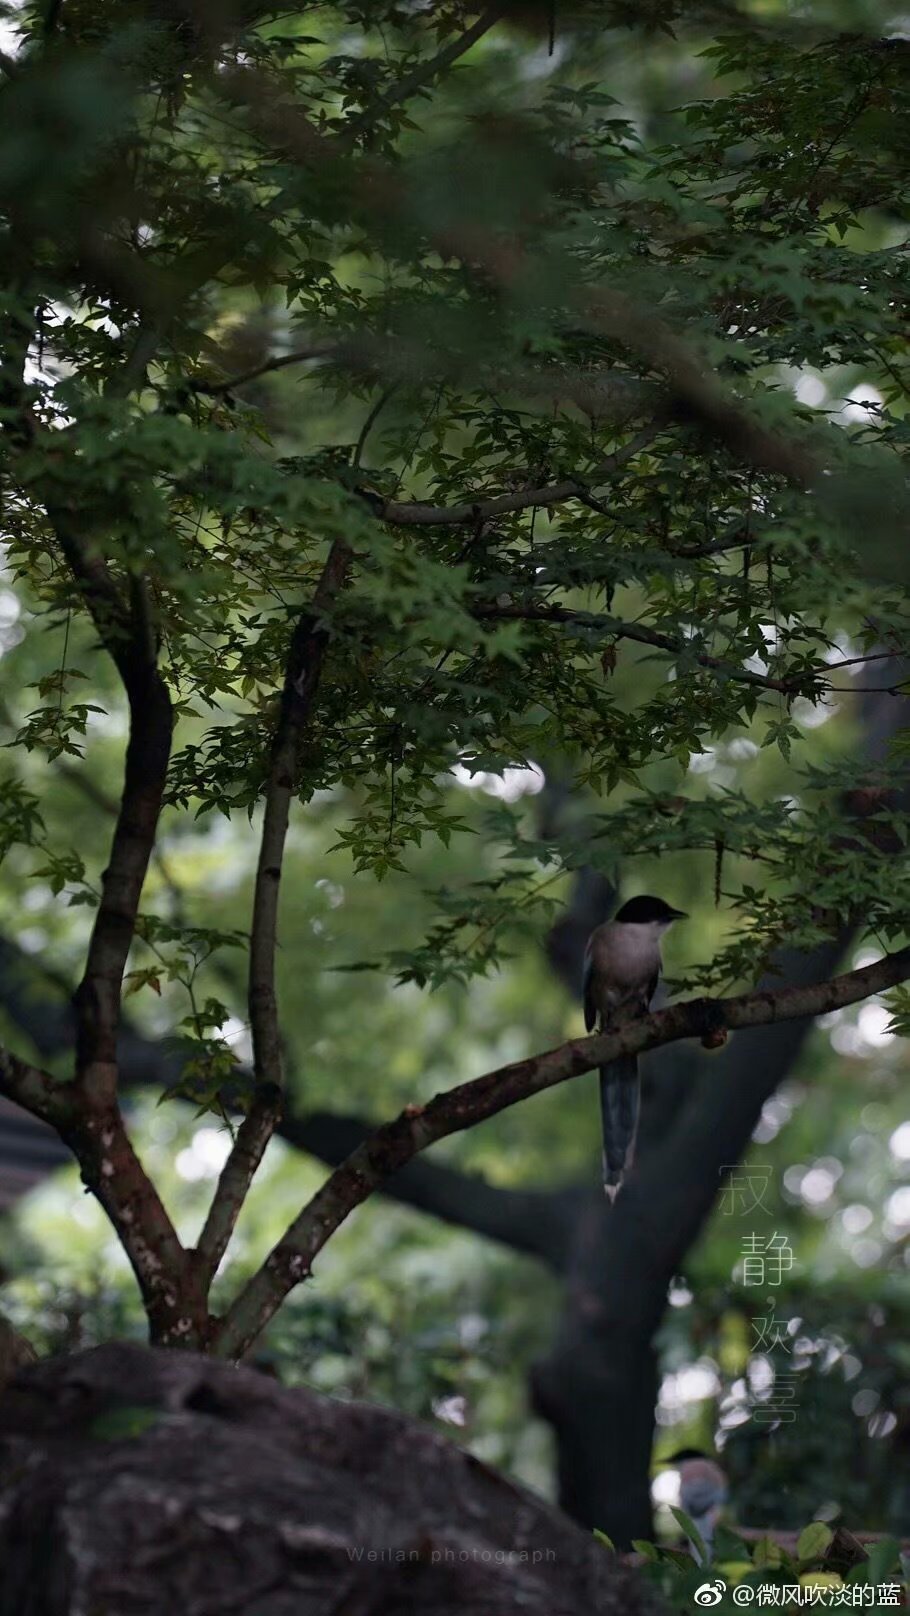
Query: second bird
[622, 967]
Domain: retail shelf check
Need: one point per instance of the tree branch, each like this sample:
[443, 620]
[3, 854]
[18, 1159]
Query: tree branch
[297, 356]
[412, 83]
[419, 513]
[127, 635]
[85, 1112]
[88, 1117]
[36, 1091]
[416, 513]
[618, 630]
[372, 416]
[308, 647]
[235, 1179]
[695, 389]
[304, 667]
[397, 1142]
[536, 1222]
[110, 1168]
[695, 393]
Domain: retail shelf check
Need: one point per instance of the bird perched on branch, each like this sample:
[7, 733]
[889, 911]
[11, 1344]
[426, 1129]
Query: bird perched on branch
[622, 967]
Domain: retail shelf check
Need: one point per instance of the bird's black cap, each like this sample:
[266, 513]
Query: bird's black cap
[640, 911]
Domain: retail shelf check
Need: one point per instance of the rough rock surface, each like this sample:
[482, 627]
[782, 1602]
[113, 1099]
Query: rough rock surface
[135, 1482]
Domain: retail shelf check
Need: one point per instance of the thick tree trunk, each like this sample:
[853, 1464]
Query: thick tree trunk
[601, 1408]
[134, 1480]
[598, 1386]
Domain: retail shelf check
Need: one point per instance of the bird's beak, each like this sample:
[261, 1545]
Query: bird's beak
[678, 914]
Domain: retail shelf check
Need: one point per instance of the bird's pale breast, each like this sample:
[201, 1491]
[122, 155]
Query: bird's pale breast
[625, 954]
[624, 957]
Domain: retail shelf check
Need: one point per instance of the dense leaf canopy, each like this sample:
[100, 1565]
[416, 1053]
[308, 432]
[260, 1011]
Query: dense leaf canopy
[444, 397]
[571, 339]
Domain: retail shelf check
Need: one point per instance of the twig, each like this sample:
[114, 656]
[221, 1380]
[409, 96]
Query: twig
[416, 513]
[642, 635]
[297, 356]
[368, 425]
[412, 83]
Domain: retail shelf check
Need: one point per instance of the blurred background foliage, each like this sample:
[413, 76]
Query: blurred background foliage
[404, 1308]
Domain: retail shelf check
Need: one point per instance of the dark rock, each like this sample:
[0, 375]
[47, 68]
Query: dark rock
[135, 1482]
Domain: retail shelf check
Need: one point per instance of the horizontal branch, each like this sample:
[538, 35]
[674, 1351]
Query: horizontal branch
[416, 513]
[617, 629]
[740, 534]
[394, 1144]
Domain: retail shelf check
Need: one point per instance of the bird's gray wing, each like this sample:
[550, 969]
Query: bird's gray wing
[586, 990]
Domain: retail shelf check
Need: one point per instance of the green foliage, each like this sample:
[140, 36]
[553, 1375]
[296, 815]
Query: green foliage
[898, 1001]
[820, 1561]
[755, 219]
[20, 815]
[211, 1065]
[509, 278]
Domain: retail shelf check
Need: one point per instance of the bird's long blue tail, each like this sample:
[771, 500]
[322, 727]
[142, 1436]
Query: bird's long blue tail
[620, 1093]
